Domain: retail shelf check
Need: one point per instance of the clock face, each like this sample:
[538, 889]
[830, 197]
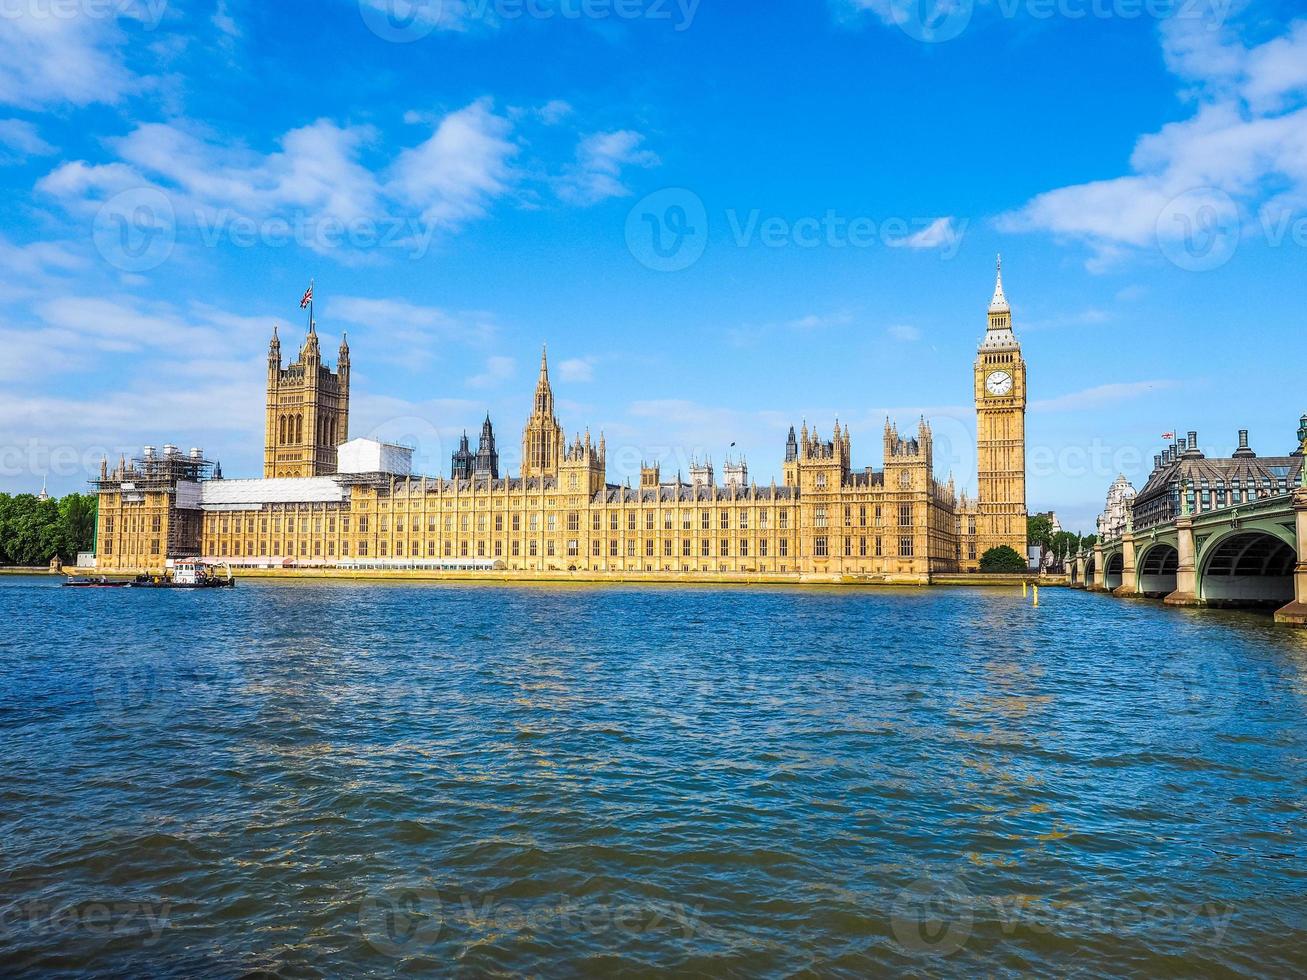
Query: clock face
[999, 383]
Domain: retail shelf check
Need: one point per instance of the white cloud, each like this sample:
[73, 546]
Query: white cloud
[1102, 395]
[1243, 149]
[411, 334]
[317, 178]
[940, 233]
[224, 21]
[47, 58]
[601, 158]
[497, 370]
[555, 111]
[576, 369]
[818, 321]
[22, 140]
[904, 332]
[465, 164]
[316, 170]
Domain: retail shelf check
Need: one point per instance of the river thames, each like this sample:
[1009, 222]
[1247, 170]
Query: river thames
[332, 779]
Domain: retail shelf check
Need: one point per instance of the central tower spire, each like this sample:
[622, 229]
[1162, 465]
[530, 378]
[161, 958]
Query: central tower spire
[542, 440]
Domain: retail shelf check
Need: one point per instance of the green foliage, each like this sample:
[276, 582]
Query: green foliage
[1064, 545]
[1039, 531]
[1002, 559]
[33, 531]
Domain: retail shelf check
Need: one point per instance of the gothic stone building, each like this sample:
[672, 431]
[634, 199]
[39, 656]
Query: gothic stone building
[357, 505]
[997, 515]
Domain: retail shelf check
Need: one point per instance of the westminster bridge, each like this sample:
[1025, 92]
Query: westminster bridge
[1248, 554]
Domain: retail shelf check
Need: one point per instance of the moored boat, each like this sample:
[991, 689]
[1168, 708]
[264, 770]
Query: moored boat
[185, 574]
[84, 582]
[188, 574]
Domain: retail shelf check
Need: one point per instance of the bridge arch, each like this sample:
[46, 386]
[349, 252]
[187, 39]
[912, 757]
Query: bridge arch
[1247, 566]
[1158, 565]
[1113, 571]
[1090, 568]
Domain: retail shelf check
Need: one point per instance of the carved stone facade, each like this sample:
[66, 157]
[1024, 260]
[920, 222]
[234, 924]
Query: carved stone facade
[825, 520]
[307, 410]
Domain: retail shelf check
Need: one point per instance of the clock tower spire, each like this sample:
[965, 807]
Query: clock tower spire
[1000, 390]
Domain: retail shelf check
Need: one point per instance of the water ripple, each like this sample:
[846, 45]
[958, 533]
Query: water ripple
[322, 780]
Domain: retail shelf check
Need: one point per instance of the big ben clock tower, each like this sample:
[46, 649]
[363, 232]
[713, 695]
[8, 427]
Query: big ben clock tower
[1000, 432]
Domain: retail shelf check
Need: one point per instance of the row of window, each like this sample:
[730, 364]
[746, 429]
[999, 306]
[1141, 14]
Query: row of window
[224, 524]
[485, 549]
[134, 523]
[821, 547]
[106, 546]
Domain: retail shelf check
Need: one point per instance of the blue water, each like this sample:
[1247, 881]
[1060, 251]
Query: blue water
[330, 779]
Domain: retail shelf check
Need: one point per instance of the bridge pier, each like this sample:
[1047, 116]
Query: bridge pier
[1080, 571]
[1129, 579]
[1099, 583]
[1186, 573]
[1295, 613]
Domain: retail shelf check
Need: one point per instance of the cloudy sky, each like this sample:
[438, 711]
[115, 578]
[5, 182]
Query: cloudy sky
[722, 217]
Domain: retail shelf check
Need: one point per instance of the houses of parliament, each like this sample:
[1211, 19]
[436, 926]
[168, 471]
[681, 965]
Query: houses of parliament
[332, 504]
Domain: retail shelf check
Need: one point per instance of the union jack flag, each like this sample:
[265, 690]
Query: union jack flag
[1165, 435]
[308, 298]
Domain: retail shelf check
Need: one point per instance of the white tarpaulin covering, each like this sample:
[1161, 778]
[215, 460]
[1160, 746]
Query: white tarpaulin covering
[250, 494]
[371, 456]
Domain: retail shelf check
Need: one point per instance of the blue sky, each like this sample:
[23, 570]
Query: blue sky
[829, 181]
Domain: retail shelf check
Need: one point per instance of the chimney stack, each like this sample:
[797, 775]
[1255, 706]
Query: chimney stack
[1244, 451]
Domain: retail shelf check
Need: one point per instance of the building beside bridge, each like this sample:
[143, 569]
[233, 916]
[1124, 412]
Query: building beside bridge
[326, 501]
[1205, 530]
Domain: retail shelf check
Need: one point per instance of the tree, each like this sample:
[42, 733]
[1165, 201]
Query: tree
[1039, 531]
[1064, 545]
[1002, 559]
[33, 531]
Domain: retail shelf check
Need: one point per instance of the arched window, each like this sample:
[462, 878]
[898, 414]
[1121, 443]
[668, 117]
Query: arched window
[299, 428]
[281, 429]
